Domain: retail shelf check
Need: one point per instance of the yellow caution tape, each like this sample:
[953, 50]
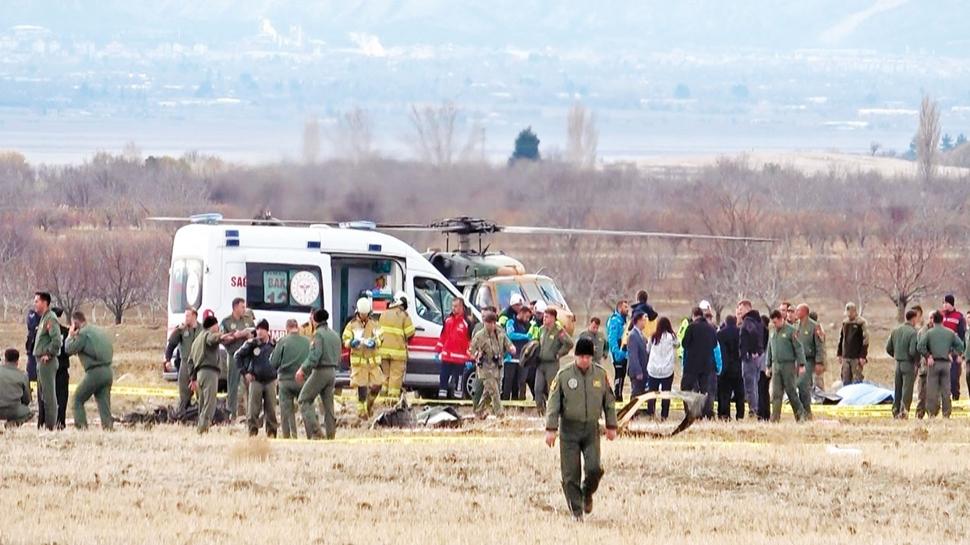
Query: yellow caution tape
[961, 408]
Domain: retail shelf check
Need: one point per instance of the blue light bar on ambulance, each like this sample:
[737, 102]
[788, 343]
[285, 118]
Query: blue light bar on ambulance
[373, 247]
[313, 245]
[359, 225]
[210, 218]
[232, 238]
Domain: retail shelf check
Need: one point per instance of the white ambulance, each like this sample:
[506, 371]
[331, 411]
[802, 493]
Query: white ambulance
[286, 272]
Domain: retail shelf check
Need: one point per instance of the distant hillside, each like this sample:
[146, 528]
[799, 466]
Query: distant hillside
[883, 25]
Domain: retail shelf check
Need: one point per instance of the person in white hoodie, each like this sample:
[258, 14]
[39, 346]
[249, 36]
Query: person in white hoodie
[660, 367]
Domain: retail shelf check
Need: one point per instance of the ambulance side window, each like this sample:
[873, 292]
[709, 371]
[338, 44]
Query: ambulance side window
[432, 300]
[185, 285]
[283, 287]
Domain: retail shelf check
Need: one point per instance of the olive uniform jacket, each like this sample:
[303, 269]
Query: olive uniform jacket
[580, 397]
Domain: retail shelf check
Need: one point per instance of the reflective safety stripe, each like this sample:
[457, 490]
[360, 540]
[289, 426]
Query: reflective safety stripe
[394, 352]
[393, 330]
[355, 359]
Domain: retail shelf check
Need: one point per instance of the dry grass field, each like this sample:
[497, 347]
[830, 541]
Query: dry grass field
[744, 484]
[491, 482]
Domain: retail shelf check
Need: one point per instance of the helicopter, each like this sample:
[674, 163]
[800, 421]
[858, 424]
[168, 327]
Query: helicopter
[491, 278]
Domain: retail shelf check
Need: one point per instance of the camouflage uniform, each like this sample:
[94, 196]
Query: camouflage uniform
[489, 350]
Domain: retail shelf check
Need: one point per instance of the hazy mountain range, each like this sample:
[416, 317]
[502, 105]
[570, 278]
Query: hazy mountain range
[240, 77]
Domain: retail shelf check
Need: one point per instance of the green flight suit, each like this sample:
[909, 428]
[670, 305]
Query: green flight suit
[291, 351]
[903, 347]
[14, 395]
[809, 334]
[48, 343]
[782, 358]
[182, 338]
[93, 347]
[489, 350]
[320, 368]
[601, 349]
[554, 343]
[921, 378]
[576, 401]
[233, 375]
[205, 357]
[938, 343]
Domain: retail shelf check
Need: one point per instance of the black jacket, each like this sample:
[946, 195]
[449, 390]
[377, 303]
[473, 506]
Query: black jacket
[729, 337]
[646, 309]
[63, 359]
[751, 335]
[700, 339]
[253, 358]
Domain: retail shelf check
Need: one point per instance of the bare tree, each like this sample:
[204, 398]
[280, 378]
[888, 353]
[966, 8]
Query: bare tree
[129, 266]
[353, 136]
[850, 277]
[65, 268]
[582, 136]
[434, 132]
[928, 139]
[874, 148]
[906, 264]
[311, 140]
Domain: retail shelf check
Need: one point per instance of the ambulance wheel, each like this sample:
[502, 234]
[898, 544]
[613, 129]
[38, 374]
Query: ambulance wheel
[468, 383]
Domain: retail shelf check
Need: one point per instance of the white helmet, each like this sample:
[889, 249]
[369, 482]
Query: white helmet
[400, 299]
[516, 299]
[541, 306]
[364, 306]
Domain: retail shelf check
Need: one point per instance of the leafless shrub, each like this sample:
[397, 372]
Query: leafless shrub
[928, 139]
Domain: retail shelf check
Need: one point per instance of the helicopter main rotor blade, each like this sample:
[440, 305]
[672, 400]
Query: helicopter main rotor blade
[523, 230]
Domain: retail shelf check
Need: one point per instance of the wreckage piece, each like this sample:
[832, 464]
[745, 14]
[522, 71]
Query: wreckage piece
[169, 415]
[399, 416]
[693, 409]
[402, 416]
[440, 417]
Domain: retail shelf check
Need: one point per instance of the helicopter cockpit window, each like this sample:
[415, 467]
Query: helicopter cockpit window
[432, 300]
[552, 294]
[505, 292]
[483, 298]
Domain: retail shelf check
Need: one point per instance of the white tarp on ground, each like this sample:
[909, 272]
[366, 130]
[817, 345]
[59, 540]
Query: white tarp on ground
[864, 394]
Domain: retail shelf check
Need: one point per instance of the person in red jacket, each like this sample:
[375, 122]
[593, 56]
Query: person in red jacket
[954, 321]
[452, 349]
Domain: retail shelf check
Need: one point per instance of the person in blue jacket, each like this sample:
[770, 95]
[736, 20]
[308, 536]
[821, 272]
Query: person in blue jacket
[614, 335]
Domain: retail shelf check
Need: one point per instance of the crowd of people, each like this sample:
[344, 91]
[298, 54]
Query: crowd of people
[746, 365]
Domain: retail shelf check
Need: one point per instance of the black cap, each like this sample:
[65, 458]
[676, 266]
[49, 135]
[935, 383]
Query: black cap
[584, 347]
[950, 300]
[209, 322]
[263, 324]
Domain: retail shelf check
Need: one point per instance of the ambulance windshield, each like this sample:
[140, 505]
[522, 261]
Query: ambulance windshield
[185, 285]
